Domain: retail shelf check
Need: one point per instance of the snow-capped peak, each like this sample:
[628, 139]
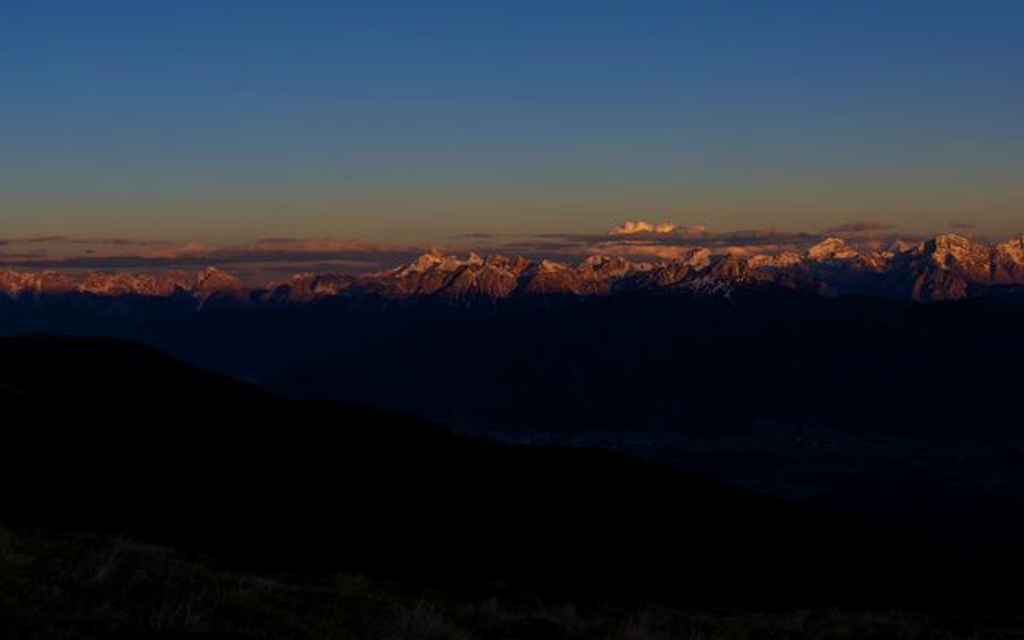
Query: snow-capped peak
[831, 249]
[697, 258]
[1012, 250]
[423, 263]
[214, 280]
[437, 260]
[550, 266]
[952, 250]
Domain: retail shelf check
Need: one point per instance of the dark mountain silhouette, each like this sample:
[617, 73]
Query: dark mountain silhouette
[843, 401]
[677, 361]
[103, 435]
[694, 363]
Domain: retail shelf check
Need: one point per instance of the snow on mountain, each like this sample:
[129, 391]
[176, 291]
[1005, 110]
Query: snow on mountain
[783, 260]
[1008, 261]
[113, 284]
[950, 251]
[831, 249]
[943, 268]
[1012, 250]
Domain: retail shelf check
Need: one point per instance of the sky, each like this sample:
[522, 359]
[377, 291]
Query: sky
[137, 124]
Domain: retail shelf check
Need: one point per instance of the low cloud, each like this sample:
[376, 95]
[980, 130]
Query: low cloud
[480, 236]
[632, 227]
[15, 257]
[119, 242]
[962, 225]
[31, 240]
[859, 227]
[278, 257]
[265, 257]
[672, 241]
[665, 241]
[80, 240]
[40, 240]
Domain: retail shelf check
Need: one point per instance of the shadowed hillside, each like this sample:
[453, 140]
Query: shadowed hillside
[636, 362]
[109, 436]
[75, 587]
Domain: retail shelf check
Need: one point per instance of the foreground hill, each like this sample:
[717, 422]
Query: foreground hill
[103, 435]
[76, 587]
[889, 410]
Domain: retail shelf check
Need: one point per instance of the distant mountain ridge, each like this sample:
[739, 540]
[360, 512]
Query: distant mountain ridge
[947, 267]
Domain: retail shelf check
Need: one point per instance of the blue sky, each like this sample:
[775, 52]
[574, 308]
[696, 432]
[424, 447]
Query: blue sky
[231, 120]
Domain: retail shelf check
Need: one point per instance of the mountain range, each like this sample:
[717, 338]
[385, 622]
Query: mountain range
[947, 267]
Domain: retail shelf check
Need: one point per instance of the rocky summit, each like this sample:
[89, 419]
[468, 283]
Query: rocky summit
[947, 267]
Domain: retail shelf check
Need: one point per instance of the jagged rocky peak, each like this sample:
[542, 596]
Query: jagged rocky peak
[436, 259]
[604, 266]
[599, 261]
[425, 262]
[35, 282]
[307, 286]
[951, 243]
[105, 283]
[1008, 261]
[1012, 250]
[949, 251]
[831, 249]
[13, 282]
[783, 260]
[948, 266]
[943, 268]
[515, 265]
[729, 266]
[549, 266]
[120, 283]
[213, 280]
[697, 257]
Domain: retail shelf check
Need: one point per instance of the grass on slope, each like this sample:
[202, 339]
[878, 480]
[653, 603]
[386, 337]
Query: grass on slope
[78, 586]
